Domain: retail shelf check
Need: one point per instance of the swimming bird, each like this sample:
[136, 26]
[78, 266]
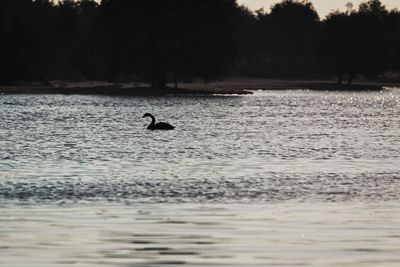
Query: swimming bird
[157, 126]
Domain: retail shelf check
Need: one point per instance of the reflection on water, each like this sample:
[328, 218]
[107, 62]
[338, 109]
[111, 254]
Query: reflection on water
[269, 146]
[290, 234]
[276, 178]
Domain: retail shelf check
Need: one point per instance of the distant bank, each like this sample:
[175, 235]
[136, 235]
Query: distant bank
[238, 86]
[118, 90]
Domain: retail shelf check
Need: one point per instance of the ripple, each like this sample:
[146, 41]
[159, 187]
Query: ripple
[271, 146]
[269, 187]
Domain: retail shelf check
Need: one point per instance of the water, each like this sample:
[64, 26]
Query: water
[279, 178]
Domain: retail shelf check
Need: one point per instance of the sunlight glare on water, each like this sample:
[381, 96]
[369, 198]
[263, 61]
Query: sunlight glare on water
[285, 178]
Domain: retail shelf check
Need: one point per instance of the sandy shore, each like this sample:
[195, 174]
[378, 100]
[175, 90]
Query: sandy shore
[116, 90]
[285, 84]
[238, 86]
[121, 89]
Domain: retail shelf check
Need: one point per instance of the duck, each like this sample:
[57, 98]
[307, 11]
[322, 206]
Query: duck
[157, 126]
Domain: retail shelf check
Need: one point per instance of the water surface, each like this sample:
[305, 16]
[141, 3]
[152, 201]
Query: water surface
[279, 178]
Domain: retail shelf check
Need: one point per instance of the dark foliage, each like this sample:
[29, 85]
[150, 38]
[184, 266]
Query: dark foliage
[169, 41]
[157, 40]
[359, 42]
[289, 39]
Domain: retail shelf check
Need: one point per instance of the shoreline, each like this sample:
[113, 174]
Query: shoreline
[239, 86]
[120, 91]
[296, 84]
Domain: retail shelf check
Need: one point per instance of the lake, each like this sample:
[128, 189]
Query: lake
[277, 178]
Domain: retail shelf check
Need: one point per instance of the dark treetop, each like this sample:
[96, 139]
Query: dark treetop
[159, 41]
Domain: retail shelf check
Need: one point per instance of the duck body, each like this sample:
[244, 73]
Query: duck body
[158, 126]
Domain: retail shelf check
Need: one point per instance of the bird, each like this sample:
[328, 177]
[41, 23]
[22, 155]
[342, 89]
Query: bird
[157, 126]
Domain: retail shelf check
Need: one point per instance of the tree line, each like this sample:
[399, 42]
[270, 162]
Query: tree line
[158, 41]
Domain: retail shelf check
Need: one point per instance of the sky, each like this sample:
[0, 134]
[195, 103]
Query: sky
[323, 7]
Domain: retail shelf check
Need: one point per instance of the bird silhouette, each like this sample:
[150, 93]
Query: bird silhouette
[157, 126]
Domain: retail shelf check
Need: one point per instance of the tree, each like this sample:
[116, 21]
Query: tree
[169, 41]
[355, 43]
[15, 37]
[249, 47]
[339, 45]
[392, 39]
[290, 32]
[158, 39]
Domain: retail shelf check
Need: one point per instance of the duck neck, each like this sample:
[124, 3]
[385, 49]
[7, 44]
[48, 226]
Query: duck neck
[153, 120]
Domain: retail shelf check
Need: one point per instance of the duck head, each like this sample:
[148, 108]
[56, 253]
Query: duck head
[147, 115]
